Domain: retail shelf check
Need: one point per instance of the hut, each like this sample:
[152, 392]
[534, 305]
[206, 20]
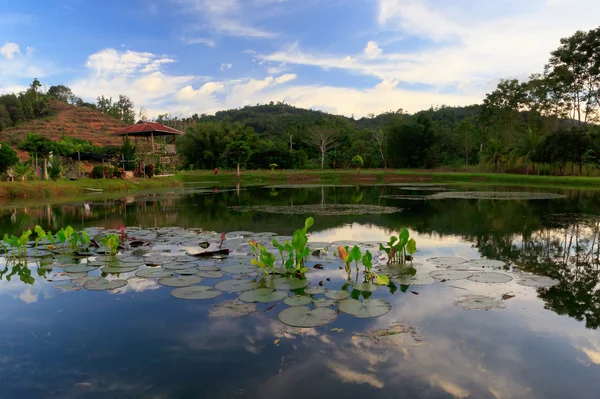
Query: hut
[154, 143]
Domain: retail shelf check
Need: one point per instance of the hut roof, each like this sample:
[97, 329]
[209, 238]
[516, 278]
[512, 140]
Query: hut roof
[145, 128]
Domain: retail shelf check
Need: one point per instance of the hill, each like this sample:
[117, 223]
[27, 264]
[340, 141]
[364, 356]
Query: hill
[79, 122]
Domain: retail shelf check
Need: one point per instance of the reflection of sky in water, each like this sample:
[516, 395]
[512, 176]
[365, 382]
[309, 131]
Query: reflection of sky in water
[139, 342]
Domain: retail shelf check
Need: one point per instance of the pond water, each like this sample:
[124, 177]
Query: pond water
[139, 341]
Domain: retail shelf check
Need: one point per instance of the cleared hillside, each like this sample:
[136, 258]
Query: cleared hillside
[80, 122]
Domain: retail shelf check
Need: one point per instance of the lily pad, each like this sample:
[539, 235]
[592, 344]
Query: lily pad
[304, 317]
[104, 285]
[186, 272]
[365, 287]
[67, 287]
[317, 209]
[117, 270]
[479, 302]
[137, 260]
[85, 279]
[287, 283]
[154, 273]
[490, 277]
[485, 263]
[366, 309]
[208, 268]
[417, 279]
[446, 275]
[537, 281]
[232, 309]
[181, 281]
[447, 261]
[318, 289]
[240, 269]
[210, 274]
[323, 303]
[298, 300]
[337, 295]
[196, 292]
[263, 295]
[237, 285]
[178, 265]
[83, 268]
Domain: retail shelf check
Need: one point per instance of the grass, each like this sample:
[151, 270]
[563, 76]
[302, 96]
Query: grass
[67, 188]
[389, 175]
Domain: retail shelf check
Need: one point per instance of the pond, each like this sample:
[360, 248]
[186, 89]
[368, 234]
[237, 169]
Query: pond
[505, 301]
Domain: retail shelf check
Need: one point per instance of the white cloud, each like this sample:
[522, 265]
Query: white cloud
[199, 40]
[372, 50]
[229, 17]
[225, 66]
[288, 77]
[348, 60]
[9, 50]
[29, 51]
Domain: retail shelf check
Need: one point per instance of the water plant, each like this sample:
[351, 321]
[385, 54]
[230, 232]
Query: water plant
[400, 248]
[264, 259]
[110, 244]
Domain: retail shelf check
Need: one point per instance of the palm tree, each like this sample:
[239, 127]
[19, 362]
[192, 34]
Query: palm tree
[493, 152]
[523, 152]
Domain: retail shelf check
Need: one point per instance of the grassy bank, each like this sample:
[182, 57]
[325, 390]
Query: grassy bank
[385, 176]
[67, 188]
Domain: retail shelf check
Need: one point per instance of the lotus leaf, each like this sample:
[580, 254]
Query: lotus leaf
[447, 261]
[365, 287]
[365, 309]
[237, 285]
[537, 281]
[298, 300]
[118, 270]
[181, 281]
[323, 303]
[337, 295]
[103, 284]
[196, 292]
[444, 275]
[315, 290]
[479, 302]
[154, 273]
[210, 274]
[304, 317]
[263, 295]
[490, 277]
[79, 268]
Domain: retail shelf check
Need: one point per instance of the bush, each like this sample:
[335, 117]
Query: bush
[149, 170]
[97, 172]
[119, 173]
[8, 157]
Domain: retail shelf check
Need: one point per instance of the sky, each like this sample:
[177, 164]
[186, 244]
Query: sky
[349, 57]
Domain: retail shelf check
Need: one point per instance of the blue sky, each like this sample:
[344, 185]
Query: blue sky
[351, 57]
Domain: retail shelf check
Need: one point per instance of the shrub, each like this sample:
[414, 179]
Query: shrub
[97, 172]
[119, 173]
[8, 157]
[149, 170]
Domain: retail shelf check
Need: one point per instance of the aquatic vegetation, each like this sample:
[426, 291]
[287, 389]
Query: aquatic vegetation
[399, 247]
[447, 261]
[537, 281]
[298, 300]
[237, 285]
[263, 295]
[303, 316]
[196, 292]
[447, 275]
[494, 195]
[180, 281]
[232, 309]
[337, 295]
[489, 277]
[322, 210]
[365, 309]
[104, 285]
[479, 302]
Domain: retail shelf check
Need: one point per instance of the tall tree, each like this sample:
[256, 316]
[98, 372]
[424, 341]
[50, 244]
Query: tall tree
[238, 152]
[324, 139]
[379, 136]
[8, 158]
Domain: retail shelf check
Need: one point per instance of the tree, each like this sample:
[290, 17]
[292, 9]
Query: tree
[379, 136]
[38, 144]
[358, 161]
[8, 158]
[493, 152]
[128, 154]
[60, 92]
[466, 137]
[238, 152]
[324, 139]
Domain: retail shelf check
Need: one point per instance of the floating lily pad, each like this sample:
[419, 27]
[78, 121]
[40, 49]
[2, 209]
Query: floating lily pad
[232, 309]
[318, 209]
[263, 295]
[537, 281]
[181, 281]
[365, 309]
[178, 266]
[365, 287]
[318, 289]
[494, 195]
[67, 287]
[446, 261]
[186, 272]
[210, 274]
[103, 284]
[208, 268]
[154, 273]
[298, 300]
[85, 279]
[485, 263]
[446, 275]
[479, 302]
[304, 317]
[117, 270]
[83, 268]
[417, 279]
[74, 276]
[323, 303]
[490, 277]
[287, 283]
[337, 295]
[195, 292]
[237, 285]
[240, 269]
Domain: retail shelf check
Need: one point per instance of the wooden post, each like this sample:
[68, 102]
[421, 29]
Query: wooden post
[152, 137]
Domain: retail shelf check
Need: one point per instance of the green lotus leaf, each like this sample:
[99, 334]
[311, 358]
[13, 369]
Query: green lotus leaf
[490, 277]
[196, 292]
[237, 285]
[104, 285]
[537, 281]
[337, 295]
[181, 281]
[365, 287]
[318, 289]
[479, 302]
[304, 317]
[446, 275]
[154, 273]
[210, 274]
[365, 309]
[263, 295]
[298, 300]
